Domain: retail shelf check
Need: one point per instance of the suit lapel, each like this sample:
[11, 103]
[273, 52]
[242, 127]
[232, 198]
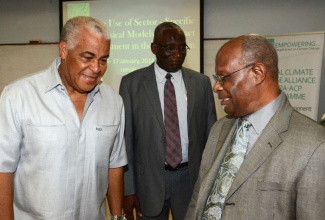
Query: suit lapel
[190, 90]
[215, 157]
[268, 141]
[150, 84]
[266, 144]
[226, 134]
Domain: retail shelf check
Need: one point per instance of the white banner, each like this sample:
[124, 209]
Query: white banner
[300, 67]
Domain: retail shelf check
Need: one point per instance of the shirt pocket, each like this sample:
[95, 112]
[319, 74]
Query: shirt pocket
[45, 161]
[46, 145]
[102, 139]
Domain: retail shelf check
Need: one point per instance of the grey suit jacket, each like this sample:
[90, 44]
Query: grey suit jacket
[282, 177]
[145, 133]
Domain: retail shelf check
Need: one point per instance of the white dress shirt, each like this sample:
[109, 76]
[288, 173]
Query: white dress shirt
[181, 99]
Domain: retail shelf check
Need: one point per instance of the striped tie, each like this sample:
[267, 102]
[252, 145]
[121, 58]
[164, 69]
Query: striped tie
[173, 140]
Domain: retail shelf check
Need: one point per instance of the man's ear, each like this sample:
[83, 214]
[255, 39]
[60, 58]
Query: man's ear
[63, 49]
[154, 48]
[260, 71]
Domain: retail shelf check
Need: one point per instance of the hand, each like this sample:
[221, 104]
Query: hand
[129, 203]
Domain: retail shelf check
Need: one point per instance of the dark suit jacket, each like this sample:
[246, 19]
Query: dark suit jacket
[282, 177]
[145, 133]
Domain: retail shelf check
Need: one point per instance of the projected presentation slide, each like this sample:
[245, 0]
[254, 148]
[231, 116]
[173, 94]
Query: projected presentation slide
[131, 25]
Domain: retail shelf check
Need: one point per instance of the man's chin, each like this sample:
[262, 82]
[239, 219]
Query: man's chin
[86, 89]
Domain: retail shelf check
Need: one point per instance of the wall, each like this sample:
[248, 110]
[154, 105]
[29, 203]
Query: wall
[26, 20]
[231, 18]
[22, 21]
[21, 60]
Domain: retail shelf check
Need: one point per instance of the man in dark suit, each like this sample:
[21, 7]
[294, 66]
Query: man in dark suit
[281, 175]
[152, 186]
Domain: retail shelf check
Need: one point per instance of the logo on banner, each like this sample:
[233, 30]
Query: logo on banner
[300, 64]
[294, 45]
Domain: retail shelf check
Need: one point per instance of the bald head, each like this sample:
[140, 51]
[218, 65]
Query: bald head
[256, 49]
[247, 67]
[164, 26]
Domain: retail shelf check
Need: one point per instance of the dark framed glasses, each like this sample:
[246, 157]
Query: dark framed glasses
[220, 79]
[171, 48]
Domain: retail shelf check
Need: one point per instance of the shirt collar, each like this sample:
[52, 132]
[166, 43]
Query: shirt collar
[54, 80]
[261, 117]
[161, 74]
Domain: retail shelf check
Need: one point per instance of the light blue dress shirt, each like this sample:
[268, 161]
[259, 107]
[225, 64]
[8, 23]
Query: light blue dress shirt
[261, 118]
[181, 99]
[60, 163]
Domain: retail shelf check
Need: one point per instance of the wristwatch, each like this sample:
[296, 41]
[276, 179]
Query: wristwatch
[116, 217]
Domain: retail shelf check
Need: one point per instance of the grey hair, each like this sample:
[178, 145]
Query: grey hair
[257, 49]
[166, 25]
[72, 28]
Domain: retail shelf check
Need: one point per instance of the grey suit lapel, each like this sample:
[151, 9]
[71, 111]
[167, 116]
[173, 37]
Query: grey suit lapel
[150, 84]
[269, 140]
[216, 149]
[256, 157]
[226, 134]
[190, 90]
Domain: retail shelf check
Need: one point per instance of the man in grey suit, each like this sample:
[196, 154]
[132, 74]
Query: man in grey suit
[282, 175]
[152, 186]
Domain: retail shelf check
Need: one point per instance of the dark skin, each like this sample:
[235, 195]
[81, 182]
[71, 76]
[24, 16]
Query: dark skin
[170, 62]
[6, 196]
[244, 92]
[82, 67]
[81, 70]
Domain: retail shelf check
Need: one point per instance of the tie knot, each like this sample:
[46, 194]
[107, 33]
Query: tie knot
[245, 123]
[168, 76]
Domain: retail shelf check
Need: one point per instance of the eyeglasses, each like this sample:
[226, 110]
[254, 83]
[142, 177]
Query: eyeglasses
[220, 79]
[171, 48]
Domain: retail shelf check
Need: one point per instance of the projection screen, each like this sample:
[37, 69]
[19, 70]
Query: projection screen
[131, 25]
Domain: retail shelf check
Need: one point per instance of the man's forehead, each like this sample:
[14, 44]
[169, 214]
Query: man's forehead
[229, 55]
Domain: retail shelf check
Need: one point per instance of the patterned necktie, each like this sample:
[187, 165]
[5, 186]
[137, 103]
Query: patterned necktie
[173, 140]
[231, 163]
